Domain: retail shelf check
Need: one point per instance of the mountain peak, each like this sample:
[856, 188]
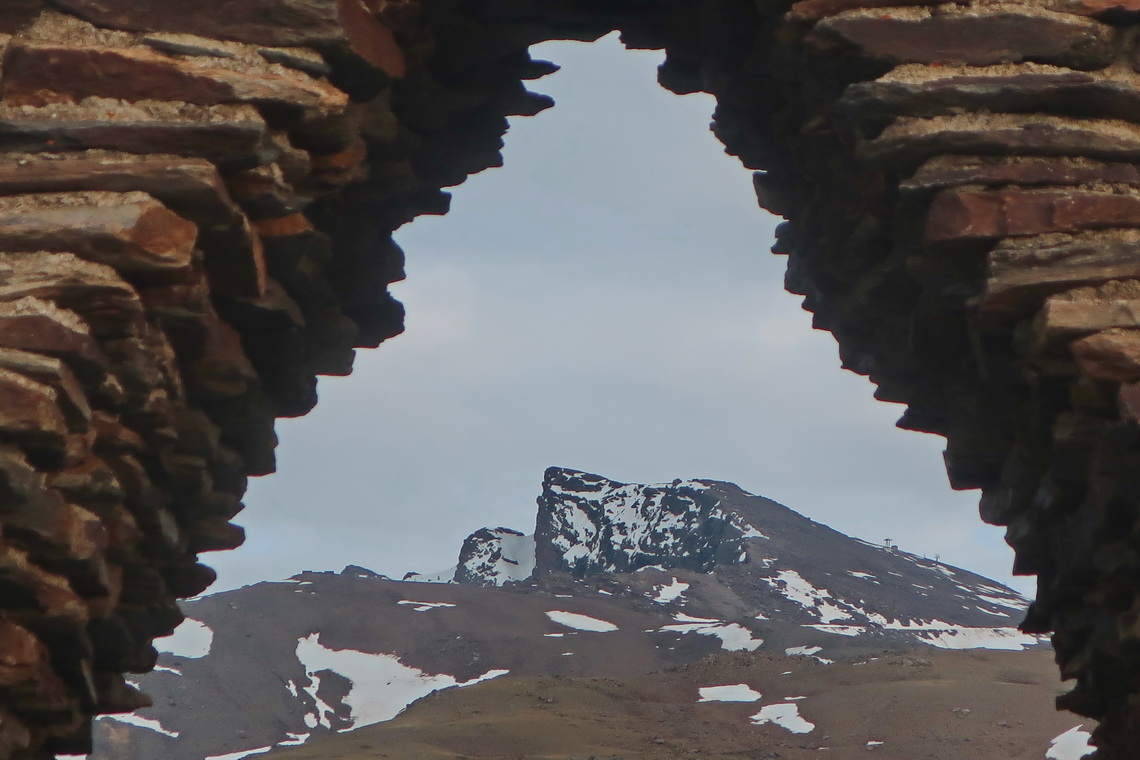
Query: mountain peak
[590, 524]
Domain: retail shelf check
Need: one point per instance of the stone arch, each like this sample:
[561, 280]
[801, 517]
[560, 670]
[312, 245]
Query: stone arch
[196, 220]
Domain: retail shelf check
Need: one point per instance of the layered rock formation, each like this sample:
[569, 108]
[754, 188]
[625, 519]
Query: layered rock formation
[196, 207]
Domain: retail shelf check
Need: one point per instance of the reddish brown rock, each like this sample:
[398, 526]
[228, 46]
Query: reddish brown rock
[336, 24]
[335, 170]
[90, 481]
[29, 410]
[1020, 273]
[14, 735]
[25, 666]
[1110, 355]
[131, 232]
[1095, 7]
[94, 291]
[18, 14]
[39, 73]
[226, 134]
[264, 192]
[53, 373]
[111, 436]
[910, 141]
[188, 186]
[33, 324]
[949, 171]
[813, 10]
[235, 260]
[966, 214]
[1070, 315]
[975, 37]
[214, 534]
[59, 606]
[926, 91]
[118, 696]
[222, 370]
[370, 39]
[1128, 402]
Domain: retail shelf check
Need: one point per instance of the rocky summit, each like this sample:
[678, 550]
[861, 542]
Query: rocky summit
[618, 581]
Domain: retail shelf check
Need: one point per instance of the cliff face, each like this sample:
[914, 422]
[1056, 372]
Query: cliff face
[196, 207]
[589, 524]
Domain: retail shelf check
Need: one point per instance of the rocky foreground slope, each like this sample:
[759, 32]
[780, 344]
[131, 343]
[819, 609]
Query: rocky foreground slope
[618, 581]
[742, 706]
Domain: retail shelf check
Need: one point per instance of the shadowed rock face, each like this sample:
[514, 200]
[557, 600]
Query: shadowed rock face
[198, 201]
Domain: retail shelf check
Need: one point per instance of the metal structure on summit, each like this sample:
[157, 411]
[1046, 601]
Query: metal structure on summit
[196, 208]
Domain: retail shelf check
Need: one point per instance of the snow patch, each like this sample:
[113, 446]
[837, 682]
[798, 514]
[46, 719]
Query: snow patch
[425, 606]
[191, 640]
[581, 622]
[840, 630]
[785, 715]
[382, 686]
[147, 723]
[739, 692]
[1071, 745]
[241, 754]
[294, 740]
[1005, 601]
[802, 651]
[733, 636]
[818, 600]
[671, 592]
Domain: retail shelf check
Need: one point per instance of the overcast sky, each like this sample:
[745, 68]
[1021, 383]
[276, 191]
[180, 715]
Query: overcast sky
[607, 301]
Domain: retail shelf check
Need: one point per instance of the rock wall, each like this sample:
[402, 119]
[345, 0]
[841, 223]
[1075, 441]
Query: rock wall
[196, 208]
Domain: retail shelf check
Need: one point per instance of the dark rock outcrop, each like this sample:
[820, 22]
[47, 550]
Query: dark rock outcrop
[588, 524]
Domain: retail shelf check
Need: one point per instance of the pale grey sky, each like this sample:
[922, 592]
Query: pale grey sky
[606, 301]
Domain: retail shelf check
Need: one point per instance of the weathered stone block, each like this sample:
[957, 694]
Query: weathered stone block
[1095, 7]
[263, 192]
[910, 141]
[40, 73]
[971, 214]
[190, 187]
[30, 410]
[813, 10]
[950, 171]
[925, 91]
[1110, 355]
[1088, 310]
[53, 373]
[131, 232]
[972, 36]
[1128, 402]
[226, 134]
[94, 291]
[1021, 273]
[336, 24]
[32, 324]
[235, 260]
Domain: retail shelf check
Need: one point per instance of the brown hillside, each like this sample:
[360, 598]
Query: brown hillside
[930, 705]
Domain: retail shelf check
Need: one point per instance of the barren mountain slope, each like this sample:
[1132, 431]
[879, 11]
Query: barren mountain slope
[926, 705]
